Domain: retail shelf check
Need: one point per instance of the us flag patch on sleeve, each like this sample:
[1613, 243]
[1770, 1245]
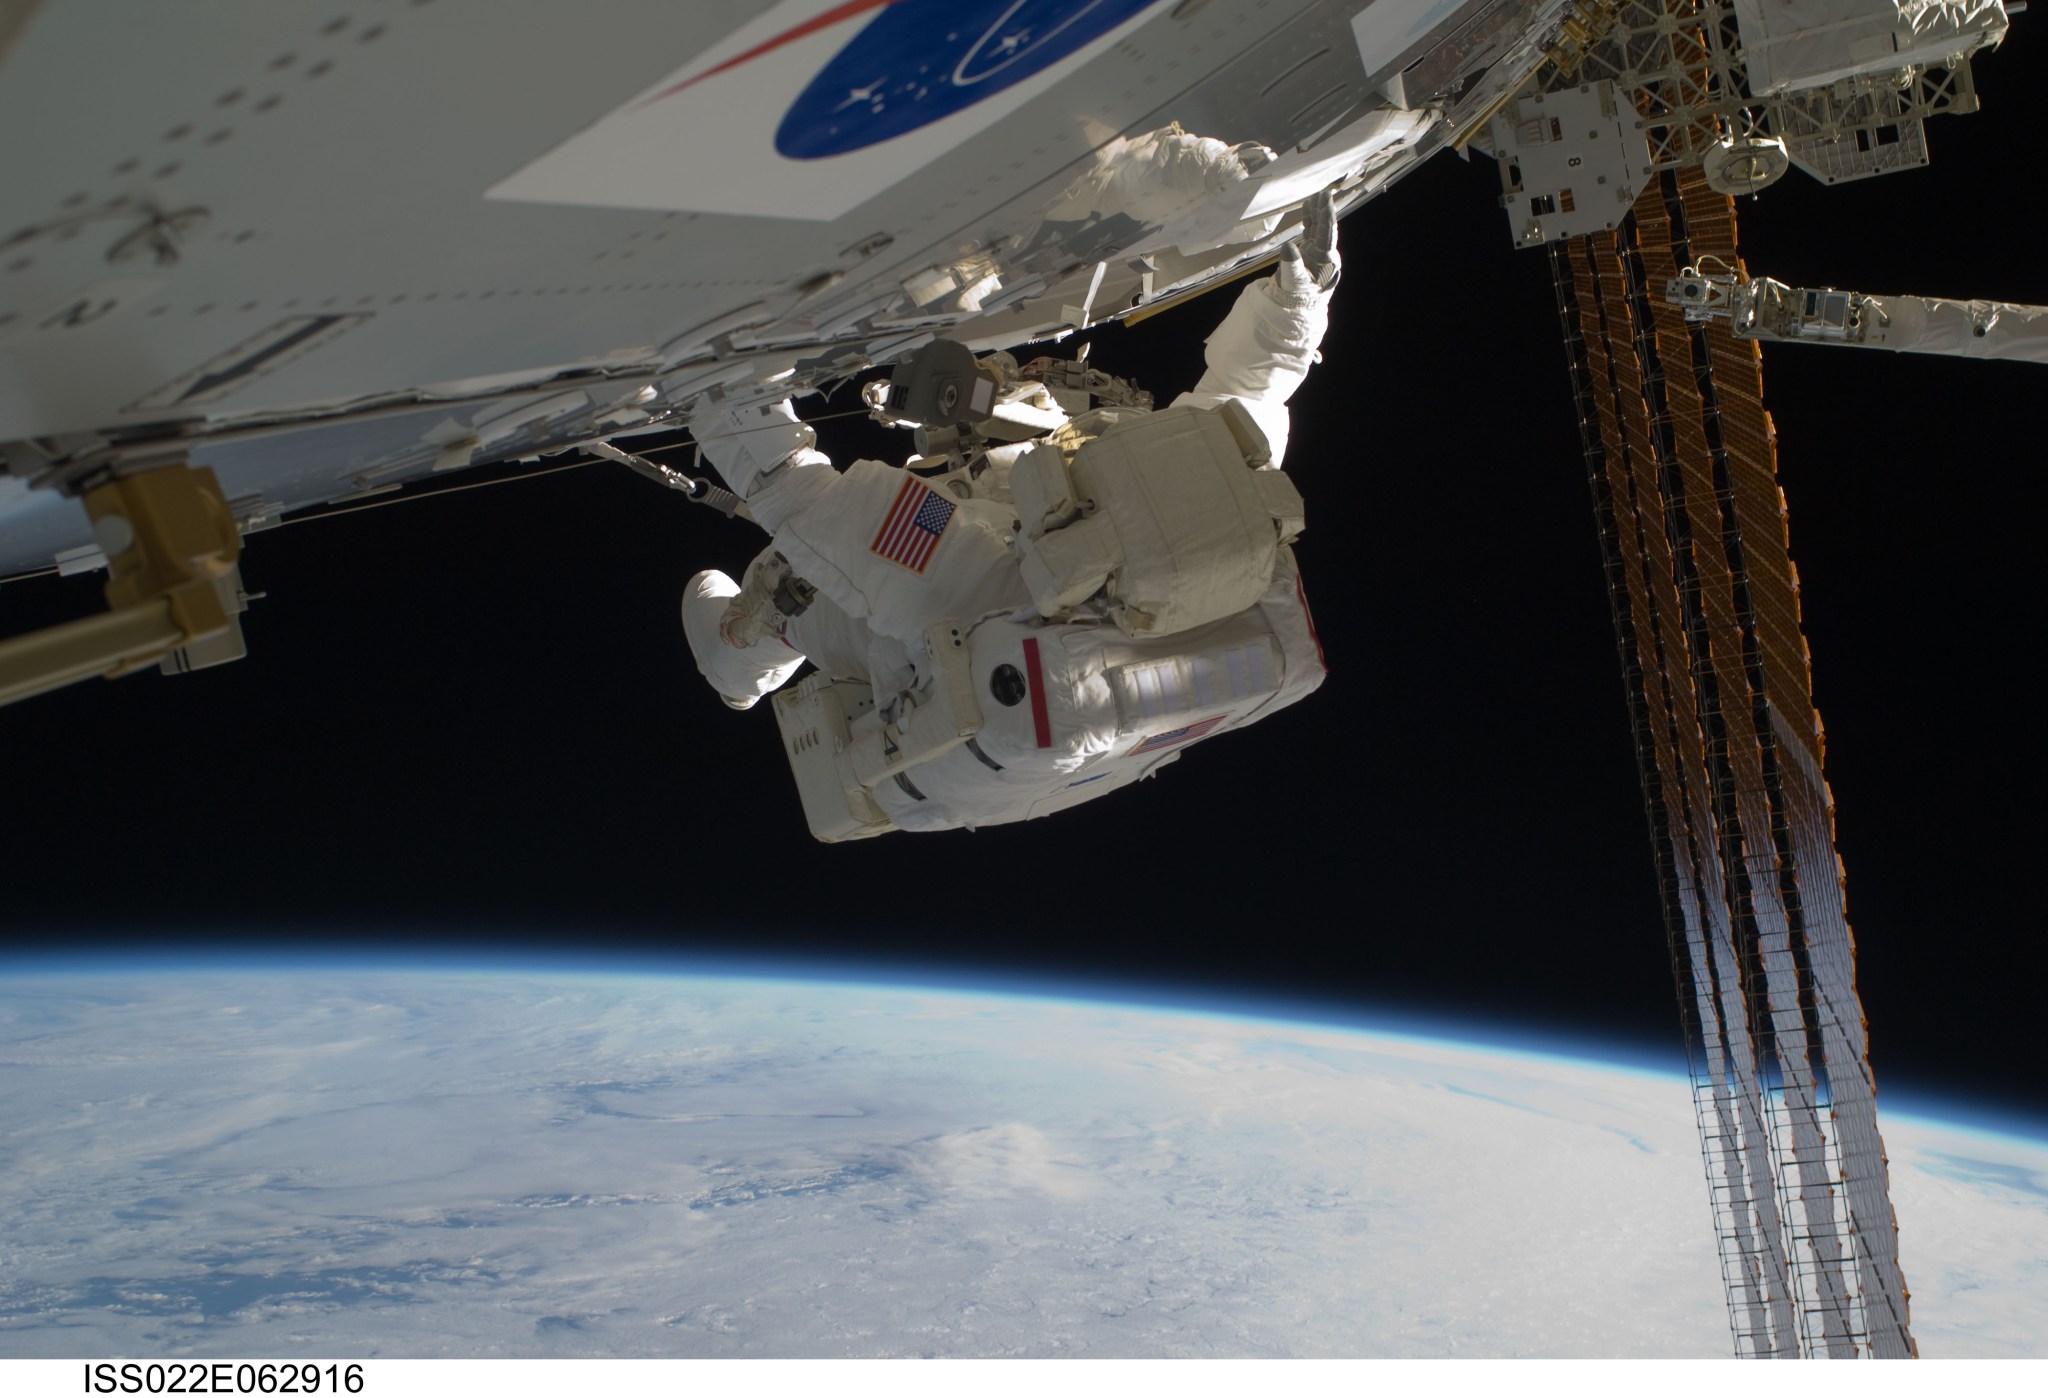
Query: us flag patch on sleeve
[910, 532]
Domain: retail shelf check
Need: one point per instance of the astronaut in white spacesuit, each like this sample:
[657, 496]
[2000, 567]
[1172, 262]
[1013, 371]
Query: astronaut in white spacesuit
[997, 645]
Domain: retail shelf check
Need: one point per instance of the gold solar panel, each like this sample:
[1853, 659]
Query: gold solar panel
[1683, 467]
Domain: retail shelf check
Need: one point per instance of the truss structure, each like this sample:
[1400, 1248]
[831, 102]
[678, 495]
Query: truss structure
[1681, 63]
[1682, 463]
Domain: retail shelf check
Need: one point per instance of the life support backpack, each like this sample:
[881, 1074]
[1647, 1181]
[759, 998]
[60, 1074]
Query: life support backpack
[1024, 718]
[1176, 514]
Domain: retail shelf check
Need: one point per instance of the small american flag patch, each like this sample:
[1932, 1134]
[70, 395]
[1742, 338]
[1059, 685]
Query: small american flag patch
[910, 532]
[1178, 735]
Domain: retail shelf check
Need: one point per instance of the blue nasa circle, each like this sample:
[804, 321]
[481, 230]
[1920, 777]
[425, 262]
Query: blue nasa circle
[919, 61]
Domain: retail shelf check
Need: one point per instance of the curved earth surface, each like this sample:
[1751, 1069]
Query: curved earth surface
[357, 1163]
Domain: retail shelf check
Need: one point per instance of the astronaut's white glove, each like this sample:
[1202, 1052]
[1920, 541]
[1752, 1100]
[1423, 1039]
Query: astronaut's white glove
[1312, 262]
[1253, 157]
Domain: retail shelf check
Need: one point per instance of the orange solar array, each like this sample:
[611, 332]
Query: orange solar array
[1682, 464]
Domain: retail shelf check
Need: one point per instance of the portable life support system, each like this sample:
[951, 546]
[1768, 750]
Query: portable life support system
[1167, 608]
[1176, 516]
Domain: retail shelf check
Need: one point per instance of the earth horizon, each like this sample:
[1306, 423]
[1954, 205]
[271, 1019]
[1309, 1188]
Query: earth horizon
[323, 1157]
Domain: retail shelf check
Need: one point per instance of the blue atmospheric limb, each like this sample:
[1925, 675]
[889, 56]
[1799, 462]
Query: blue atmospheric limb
[921, 60]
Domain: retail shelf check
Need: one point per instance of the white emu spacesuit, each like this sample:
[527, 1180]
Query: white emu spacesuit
[997, 646]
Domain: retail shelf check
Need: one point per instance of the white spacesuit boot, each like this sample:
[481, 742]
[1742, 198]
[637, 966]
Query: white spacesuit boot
[740, 673]
[746, 661]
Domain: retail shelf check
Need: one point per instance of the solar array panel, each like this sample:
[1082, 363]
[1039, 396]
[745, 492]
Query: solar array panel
[1683, 467]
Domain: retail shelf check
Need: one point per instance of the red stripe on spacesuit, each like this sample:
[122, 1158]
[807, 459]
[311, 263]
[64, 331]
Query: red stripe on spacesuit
[1041, 722]
[1309, 617]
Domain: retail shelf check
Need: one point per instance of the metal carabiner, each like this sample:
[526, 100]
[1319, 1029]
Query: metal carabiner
[696, 489]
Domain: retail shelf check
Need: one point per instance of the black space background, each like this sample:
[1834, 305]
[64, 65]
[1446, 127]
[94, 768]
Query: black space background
[472, 723]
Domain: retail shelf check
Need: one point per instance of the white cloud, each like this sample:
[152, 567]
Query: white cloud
[502, 1165]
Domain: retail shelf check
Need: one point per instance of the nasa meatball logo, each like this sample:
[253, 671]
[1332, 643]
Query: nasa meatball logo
[920, 61]
[815, 108]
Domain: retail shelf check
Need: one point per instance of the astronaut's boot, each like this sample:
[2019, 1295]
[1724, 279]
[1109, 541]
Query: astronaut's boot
[740, 674]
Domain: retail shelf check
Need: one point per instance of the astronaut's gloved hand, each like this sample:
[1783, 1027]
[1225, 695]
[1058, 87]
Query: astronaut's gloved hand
[1253, 157]
[1312, 261]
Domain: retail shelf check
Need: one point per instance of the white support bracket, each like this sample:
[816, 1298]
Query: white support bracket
[1759, 308]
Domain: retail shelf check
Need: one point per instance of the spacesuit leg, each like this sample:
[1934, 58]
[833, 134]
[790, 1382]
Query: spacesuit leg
[740, 674]
[843, 646]
[879, 542]
[765, 454]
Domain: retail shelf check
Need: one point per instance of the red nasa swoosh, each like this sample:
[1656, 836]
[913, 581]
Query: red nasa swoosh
[788, 36]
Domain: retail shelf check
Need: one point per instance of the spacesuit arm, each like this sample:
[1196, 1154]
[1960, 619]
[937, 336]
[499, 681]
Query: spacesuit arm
[1263, 349]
